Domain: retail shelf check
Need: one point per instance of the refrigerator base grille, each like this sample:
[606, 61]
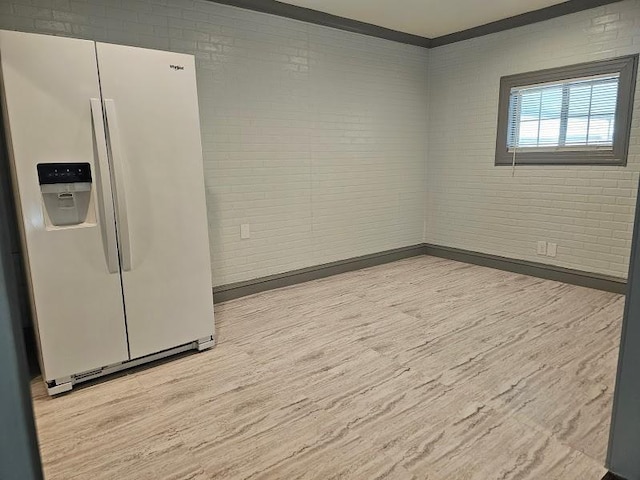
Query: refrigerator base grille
[63, 385]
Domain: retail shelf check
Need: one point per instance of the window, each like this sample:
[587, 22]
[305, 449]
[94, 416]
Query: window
[580, 114]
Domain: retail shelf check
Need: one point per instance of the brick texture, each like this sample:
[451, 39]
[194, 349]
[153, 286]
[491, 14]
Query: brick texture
[587, 210]
[315, 137]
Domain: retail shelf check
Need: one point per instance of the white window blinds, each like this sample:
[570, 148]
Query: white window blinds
[574, 114]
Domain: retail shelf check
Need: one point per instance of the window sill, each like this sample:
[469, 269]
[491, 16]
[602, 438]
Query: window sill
[562, 158]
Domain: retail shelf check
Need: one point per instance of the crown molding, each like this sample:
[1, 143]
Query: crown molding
[316, 17]
[327, 20]
[559, 10]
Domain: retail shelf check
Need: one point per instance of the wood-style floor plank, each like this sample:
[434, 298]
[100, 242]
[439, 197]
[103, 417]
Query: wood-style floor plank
[420, 369]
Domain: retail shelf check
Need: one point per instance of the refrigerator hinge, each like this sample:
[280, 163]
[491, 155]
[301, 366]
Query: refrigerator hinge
[60, 385]
[205, 343]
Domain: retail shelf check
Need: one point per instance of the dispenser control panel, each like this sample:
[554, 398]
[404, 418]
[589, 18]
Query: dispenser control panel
[66, 193]
[53, 173]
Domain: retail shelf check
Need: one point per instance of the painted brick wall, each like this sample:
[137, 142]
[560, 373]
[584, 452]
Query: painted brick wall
[474, 205]
[315, 137]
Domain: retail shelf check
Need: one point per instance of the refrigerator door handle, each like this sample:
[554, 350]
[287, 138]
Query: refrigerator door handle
[105, 204]
[117, 160]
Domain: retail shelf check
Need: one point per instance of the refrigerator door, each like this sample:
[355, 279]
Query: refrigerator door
[63, 190]
[151, 108]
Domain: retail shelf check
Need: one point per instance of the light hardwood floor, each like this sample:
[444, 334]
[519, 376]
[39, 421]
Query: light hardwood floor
[424, 368]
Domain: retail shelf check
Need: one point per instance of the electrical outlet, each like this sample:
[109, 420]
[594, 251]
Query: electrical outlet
[542, 248]
[552, 249]
[245, 231]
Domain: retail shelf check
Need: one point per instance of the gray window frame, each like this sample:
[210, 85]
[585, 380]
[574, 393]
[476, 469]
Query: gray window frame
[626, 66]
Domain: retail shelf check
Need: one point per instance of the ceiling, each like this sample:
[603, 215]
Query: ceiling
[426, 18]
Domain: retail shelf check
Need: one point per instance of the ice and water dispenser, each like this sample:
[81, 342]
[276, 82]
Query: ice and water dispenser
[66, 192]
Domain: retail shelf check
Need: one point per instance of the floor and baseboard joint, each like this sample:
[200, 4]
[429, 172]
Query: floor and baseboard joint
[549, 272]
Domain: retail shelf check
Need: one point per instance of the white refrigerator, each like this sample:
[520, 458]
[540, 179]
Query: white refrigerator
[104, 143]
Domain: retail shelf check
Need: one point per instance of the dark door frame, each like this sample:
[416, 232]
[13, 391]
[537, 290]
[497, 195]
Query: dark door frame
[19, 454]
[623, 456]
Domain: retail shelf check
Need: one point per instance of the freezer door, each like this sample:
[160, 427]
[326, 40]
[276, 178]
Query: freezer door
[51, 99]
[151, 107]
